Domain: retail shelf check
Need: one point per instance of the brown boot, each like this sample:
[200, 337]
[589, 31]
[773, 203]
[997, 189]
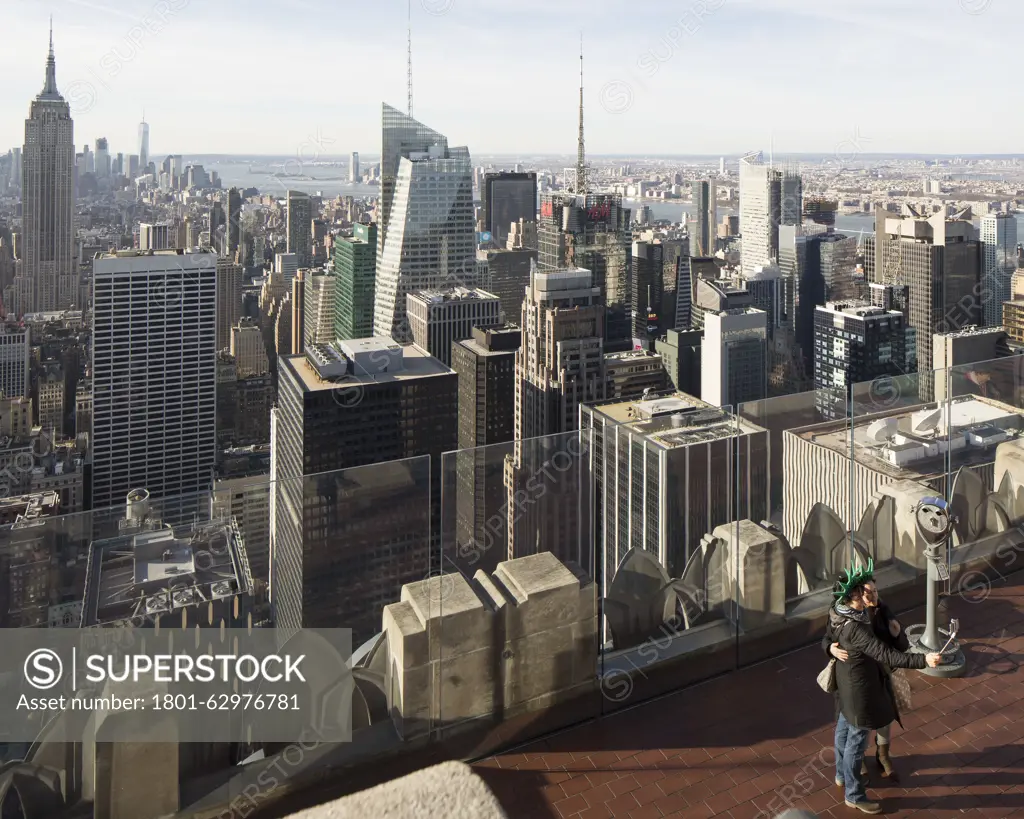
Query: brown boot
[885, 761]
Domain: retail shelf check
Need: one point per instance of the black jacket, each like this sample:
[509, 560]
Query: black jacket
[881, 616]
[864, 690]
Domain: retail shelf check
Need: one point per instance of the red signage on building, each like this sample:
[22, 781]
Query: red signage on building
[547, 209]
[599, 212]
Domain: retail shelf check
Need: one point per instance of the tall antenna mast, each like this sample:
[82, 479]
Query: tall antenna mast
[581, 157]
[409, 78]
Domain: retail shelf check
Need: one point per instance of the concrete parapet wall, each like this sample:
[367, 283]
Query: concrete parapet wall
[447, 790]
[459, 647]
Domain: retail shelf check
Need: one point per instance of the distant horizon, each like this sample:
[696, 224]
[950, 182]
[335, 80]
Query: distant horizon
[657, 79]
[344, 157]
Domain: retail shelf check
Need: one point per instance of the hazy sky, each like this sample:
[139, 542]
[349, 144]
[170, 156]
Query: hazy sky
[501, 76]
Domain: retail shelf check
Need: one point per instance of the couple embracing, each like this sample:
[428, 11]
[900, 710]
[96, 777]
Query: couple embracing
[871, 649]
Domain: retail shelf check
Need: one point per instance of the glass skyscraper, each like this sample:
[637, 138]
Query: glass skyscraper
[508, 197]
[429, 235]
[760, 206]
[401, 136]
[999, 235]
[703, 226]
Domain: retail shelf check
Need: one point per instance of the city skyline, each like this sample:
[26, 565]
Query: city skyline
[112, 60]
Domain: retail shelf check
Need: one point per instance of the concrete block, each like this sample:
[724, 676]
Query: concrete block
[452, 613]
[407, 635]
[467, 686]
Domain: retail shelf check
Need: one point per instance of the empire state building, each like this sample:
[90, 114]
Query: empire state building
[49, 279]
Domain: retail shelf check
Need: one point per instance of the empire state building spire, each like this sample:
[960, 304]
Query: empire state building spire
[50, 91]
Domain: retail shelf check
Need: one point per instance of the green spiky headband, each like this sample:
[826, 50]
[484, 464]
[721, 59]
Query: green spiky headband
[856, 576]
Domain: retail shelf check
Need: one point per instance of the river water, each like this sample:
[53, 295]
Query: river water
[332, 181]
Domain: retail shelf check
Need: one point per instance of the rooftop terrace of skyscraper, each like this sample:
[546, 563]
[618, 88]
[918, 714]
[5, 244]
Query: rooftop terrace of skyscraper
[581, 682]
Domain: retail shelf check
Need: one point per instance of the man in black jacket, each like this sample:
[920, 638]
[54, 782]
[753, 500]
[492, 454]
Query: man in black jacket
[865, 698]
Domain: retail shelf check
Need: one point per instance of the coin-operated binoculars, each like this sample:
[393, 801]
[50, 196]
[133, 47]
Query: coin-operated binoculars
[935, 526]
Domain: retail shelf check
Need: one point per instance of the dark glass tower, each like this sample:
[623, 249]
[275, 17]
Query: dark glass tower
[508, 197]
[234, 214]
[646, 284]
[350, 417]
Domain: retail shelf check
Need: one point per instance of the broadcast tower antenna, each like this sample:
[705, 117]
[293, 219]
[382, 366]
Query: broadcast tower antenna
[581, 156]
[409, 70]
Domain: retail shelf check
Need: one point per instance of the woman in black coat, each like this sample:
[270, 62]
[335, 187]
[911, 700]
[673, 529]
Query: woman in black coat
[865, 697]
[889, 631]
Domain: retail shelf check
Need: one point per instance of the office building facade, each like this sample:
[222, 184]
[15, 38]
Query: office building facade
[287, 266]
[401, 136]
[102, 159]
[664, 474]
[439, 317]
[234, 214]
[485, 364]
[680, 356]
[999, 237]
[705, 218]
[154, 374]
[248, 349]
[646, 289]
[318, 312]
[633, 373]
[508, 197]
[355, 273]
[760, 207]
[229, 299]
[939, 260]
[431, 236]
[15, 352]
[300, 227]
[854, 342]
[156, 236]
[791, 205]
[591, 232]
[560, 364]
[507, 277]
[734, 357]
[349, 416]
[955, 352]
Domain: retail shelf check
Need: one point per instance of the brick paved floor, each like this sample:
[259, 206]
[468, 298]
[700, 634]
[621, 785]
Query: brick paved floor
[759, 741]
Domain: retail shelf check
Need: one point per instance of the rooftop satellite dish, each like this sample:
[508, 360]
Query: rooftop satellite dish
[880, 431]
[927, 421]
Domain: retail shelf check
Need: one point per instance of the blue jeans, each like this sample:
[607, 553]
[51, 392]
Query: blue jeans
[851, 743]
